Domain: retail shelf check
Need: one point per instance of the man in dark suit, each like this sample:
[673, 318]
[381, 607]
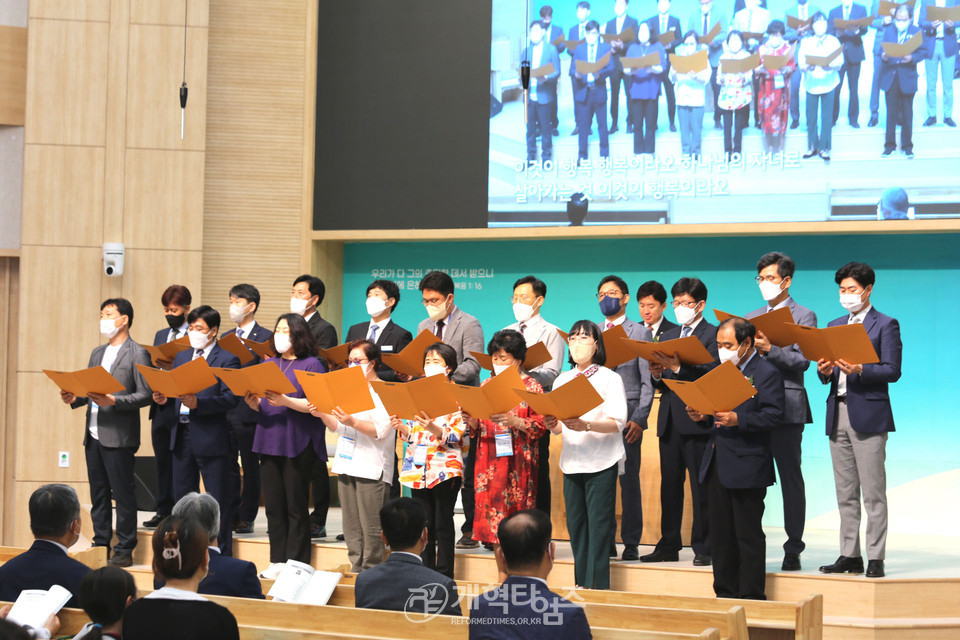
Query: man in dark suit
[898, 78]
[551, 35]
[682, 441]
[226, 576]
[614, 297]
[775, 275]
[55, 523]
[542, 97]
[112, 436]
[590, 91]
[737, 467]
[201, 439]
[523, 606]
[859, 417]
[618, 48]
[940, 40]
[702, 22]
[578, 33]
[244, 303]
[853, 55]
[660, 24]
[401, 582]
[652, 300]
[176, 301]
[880, 24]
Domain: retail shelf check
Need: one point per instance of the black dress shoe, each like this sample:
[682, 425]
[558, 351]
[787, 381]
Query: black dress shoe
[825, 156]
[949, 122]
[243, 527]
[613, 549]
[810, 154]
[659, 555]
[844, 564]
[153, 522]
[673, 127]
[614, 129]
[929, 122]
[556, 132]
[791, 562]
[717, 124]
[341, 537]
[702, 560]
[488, 546]
[466, 541]
[874, 120]
[887, 153]
[629, 128]
[855, 125]
[575, 132]
[795, 124]
[316, 531]
[126, 560]
[908, 154]
[630, 552]
[875, 569]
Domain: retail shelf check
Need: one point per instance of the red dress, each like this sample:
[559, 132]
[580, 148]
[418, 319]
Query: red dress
[506, 484]
[774, 102]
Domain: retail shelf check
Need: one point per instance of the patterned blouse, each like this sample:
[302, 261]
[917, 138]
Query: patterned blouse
[736, 89]
[444, 457]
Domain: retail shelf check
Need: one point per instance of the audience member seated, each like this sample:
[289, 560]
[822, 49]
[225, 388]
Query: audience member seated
[402, 582]
[12, 631]
[105, 594]
[180, 558]
[226, 576]
[55, 522]
[523, 607]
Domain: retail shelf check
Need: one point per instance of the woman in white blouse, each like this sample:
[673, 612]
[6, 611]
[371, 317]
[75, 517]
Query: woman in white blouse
[363, 464]
[591, 458]
[819, 83]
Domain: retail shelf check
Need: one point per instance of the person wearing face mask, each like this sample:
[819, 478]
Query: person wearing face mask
[660, 24]
[363, 464]
[590, 91]
[289, 441]
[940, 38]
[618, 48]
[433, 464]
[819, 83]
[737, 467]
[736, 94]
[753, 18]
[578, 33]
[859, 417]
[853, 56]
[690, 91]
[244, 303]
[644, 91]
[112, 434]
[635, 375]
[591, 457]
[898, 79]
[802, 10]
[773, 97]
[507, 452]
[775, 276]
[200, 440]
[702, 22]
[542, 96]
[682, 441]
[305, 298]
[176, 301]
[383, 298]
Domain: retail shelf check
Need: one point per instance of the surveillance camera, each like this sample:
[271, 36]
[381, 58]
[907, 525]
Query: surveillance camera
[113, 258]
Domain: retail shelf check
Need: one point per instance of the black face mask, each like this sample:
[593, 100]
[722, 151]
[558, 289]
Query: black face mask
[175, 322]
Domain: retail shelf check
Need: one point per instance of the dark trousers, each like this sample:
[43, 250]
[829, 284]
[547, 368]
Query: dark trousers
[467, 496]
[110, 473]
[786, 445]
[188, 468]
[679, 454]
[246, 489]
[715, 86]
[439, 502]
[631, 513]
[875, 87]
[795, 95]
[544, 490]
[734, 122]
[616, 78]
[320, 483]
[395, 491]
[737, 539]
[899, 111]
[850, 71]
[538, 122]
[554, 119]
[286, 493]
[160, 437]
[585, 112]
[670, 95]
[590, 500]
[645, 124]
[756, 101]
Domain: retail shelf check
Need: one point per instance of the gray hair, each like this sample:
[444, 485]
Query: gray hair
[201, 507]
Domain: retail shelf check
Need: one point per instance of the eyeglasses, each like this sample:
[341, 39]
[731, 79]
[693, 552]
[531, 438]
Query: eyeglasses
[580, 339]
[611, 294]
[688, 305]
[433, 301]
[773, 279]
[356, 361]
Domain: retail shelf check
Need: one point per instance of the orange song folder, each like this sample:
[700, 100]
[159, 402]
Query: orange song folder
[694, 62]
[232, 343]
[257, 379]
[713, 33]
[613, 344]
[740, 65]
[627, 36]
[772, 324]
[721, 389]
[572, 400]
[690, 350]
[895, 50]
[797, 23]
[848, 342]
[410, 360]
[336, 355]
[344, 388]
[666, 38]
[187, 379]
[649, 60]
[536, 356]
[585, 68]
[542, 72]
[263, 349]
[491, 399]
[167, 352]
[86, 381]
[406, 399]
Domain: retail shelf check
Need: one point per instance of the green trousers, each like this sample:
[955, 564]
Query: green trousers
[591, 500]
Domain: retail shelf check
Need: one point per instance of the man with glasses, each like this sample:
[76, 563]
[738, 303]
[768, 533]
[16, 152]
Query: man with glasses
[682, 441]
[613, 297]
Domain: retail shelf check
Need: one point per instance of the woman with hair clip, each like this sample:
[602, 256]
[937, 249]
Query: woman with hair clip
[433, 464]
[507, 460]
[105, 594]
[591, 457]
[288, 440]
[363, 463]
[177, 611]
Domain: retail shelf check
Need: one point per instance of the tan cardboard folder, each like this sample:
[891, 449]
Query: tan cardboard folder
[722, 389]
[536, 356]
[713, 33]
[772, 324]
[344, 388]
[168, 351]
[739, 65]
[848, 342]
[410, 360]
[823, 61]
[406, 399]
[797, 23]
[493, 398]
[232, 343]
[690, 350]
[627, 36]
[888, 8]
[849, 25]
[775, 63]
[335, 355]
[572, 45]
[86, 381]
[694, 62]
[187, 379]
[943, 13]
[572, 400]
[584, 67]
[894, 50]
[540, 72]
[668, 37]
[257, 379]
[648, 60]
[263, 349]
[751, 35]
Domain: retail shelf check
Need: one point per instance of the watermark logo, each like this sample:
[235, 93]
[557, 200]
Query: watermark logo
[426, 603]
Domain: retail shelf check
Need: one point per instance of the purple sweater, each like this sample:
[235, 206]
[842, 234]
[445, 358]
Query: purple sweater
[285, 432]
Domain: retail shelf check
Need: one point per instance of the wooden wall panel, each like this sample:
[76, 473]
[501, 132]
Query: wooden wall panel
[13, 75]
[164, 200]
[90, 10]
[50, 427]
[170, 12]
[9, 297]
[66, 98]
[64, 184]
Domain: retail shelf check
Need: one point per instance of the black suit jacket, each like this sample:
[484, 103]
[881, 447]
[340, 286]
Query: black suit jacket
[209, 429]
[665, 326]
[525, 608]
[673, 410]
[323, 331]
[162, 414]
[227, 576]
[242, 412]
[392, 339]
[397, 581]
[41, 566]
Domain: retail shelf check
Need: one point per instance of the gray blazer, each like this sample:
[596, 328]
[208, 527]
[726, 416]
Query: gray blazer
[636, 377]
[549, 335]
[119, 425]
[792, 363]
[402, 583]
[462, 332]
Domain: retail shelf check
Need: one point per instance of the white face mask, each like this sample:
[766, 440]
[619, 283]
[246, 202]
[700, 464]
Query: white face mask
[729, 355]
[582, 353]
[852, 302]
[434, 370]
[685, 315]
[770, 290]
[237, 312]
[775, 40]
[376, 306]
[500, 368]
[365, 367]
[820, 28]
[705, 8]
[298, 306]
[108, 328]
[522, 312]
[437, 312]
[198, 339]
[282, 342]
[592, 38]
[902, 25]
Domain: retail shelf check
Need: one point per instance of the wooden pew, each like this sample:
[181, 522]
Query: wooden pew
[599, 633]
[94, 557]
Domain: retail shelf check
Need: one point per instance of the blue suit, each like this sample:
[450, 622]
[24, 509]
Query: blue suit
[528, 610]
[617, 74]
[227, 576]
[41, 566]
[542, 102]
[200, 442]
[590, 98]
[853, 55]
[898, 78]
[696, 24]
[673, 24]
[162, 420]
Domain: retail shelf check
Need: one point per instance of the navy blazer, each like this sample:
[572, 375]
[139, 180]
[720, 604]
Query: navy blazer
[742, 453]
[391, 340]
[574, 34]
[227, 576]
[41, 566]
[635, 375]
[896, 69]
[242, 412]
[852, 40]
[553, 32]
[673, 24]
[950, 45]
[547, 85]
[584, 91]
[323, 331]
[868, 394]
[611, 29]
[209, 429]
[528, 610]
[673, 410]
[162, 414]
[665, 325]
[401, 579]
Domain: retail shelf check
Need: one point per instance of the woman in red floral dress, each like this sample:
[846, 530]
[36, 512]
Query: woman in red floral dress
[774, 89]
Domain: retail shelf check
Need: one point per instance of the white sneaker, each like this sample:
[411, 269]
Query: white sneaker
[271, 572]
